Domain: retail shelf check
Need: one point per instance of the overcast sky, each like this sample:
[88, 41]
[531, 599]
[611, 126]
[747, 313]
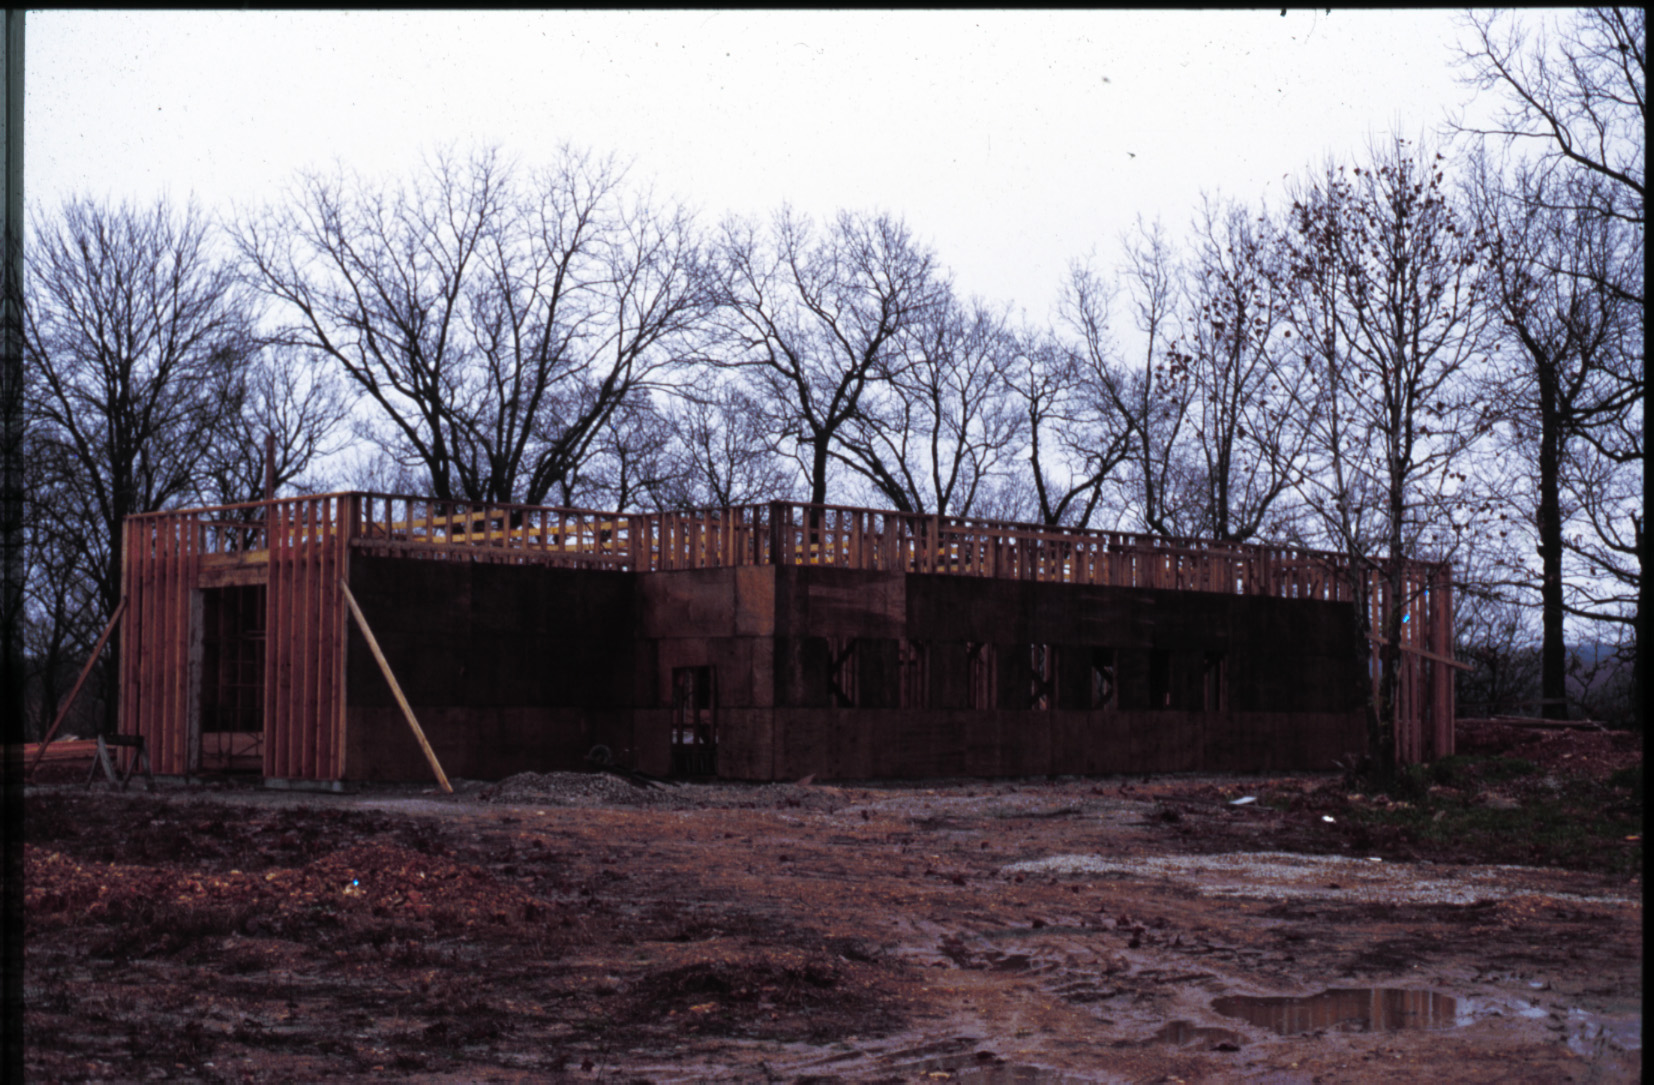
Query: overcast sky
[1012, 142]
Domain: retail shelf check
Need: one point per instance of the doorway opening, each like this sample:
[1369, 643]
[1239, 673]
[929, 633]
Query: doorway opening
[694, 721]
[232, 679]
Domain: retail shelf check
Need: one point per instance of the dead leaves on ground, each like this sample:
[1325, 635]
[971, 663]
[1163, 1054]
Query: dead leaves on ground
[366, 879]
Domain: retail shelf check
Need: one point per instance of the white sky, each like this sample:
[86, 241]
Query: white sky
[1011, 141]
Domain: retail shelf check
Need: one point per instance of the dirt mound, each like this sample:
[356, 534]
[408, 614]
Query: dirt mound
[1593, 753]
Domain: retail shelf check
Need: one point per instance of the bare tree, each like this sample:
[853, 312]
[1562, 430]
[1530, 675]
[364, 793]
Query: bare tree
[1075, 440]
[940, 432]
[1248, 441]
[1386, 283]
[1574, 95]
[496, 321]
[1494, 635]
[1570, 386]
[816, 318]
[136, 335]
[298, 400]
[1607, 554]
[62, 609]
[724, 447]
[633, 463]
[1132, 418]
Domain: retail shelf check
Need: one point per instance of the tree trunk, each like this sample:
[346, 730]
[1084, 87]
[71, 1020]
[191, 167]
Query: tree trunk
[1639, 662]
[1365, 691]
[1389, 652]
[1389, 658]
[1553, 656]
[818, 471]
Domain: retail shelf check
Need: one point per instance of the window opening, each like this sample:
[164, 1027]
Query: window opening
[1160, 679]
[1215, 684]
[982, 687]
[1042, 676]
[914, 664]
[841, 671]
[1102, 678]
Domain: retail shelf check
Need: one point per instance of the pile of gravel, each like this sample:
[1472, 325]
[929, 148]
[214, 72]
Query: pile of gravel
[607, 789]
[570, 789]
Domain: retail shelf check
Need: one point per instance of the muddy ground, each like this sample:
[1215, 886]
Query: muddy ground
[1480, 922]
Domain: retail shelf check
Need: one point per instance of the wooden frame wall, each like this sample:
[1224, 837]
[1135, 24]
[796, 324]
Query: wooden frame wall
[167, 556]
[161, 561]
[304, 668]
[301, 548]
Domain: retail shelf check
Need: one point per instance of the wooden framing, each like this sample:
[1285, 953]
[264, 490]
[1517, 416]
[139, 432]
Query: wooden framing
[300, 549]
[69, 702]
[304, 641]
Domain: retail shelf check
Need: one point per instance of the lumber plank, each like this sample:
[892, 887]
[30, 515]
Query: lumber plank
[396, 688]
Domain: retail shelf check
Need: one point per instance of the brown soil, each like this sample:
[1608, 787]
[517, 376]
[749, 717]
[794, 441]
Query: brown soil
[1031, 931]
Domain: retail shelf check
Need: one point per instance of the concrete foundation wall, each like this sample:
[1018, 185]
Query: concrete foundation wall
[904, 744]
[526, 667]
[507, 667]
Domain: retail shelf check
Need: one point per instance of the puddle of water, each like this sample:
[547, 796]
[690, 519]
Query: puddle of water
[1588, 1034]
[1593, 1036]
[1183, 1033]
[985, 1068]
[1366, 1009]
[1012, 1074]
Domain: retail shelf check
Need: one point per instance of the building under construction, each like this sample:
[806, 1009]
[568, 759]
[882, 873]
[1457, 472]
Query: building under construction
[298, 638]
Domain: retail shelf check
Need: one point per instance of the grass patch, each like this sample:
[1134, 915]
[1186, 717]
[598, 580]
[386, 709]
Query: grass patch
[1498, 809]
[1461, 771]
[1631, 779]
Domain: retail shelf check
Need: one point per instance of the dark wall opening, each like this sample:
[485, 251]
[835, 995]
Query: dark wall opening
[1214, 683]
[913, 664]
[232, 678]
[1160, 679]
[981, 681]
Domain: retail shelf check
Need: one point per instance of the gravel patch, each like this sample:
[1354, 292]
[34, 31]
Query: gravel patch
[606, 789]
[1281, 875]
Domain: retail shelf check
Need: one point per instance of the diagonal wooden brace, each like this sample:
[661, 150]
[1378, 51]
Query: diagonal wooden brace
[396, 689]
[40, 751]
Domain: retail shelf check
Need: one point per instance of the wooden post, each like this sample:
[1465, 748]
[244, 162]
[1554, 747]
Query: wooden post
[396, 690]
[1444, 645]
[79, 682]
[780, 539]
